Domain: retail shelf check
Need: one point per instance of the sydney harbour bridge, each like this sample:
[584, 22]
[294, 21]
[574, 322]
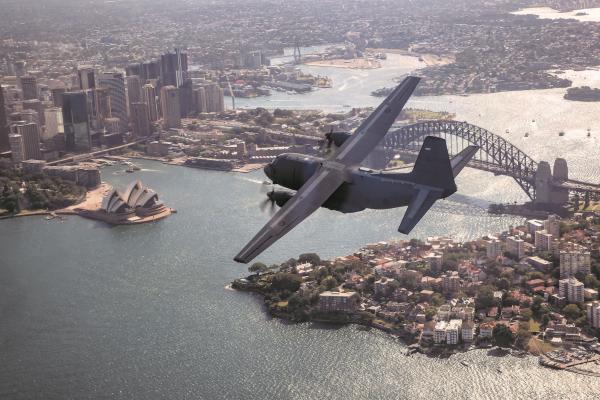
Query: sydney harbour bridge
[543, 185]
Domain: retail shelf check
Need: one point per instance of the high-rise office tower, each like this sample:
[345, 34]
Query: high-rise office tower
[31, 141]
[150, 99]
[146, 71]
[173, 68]
[201, 104]
[57, 95]
[134, 92]
[4, 129]
[186, 98]
[38, 107]
[214, 98]
[102, 103]
[54, 123]
[134, 89]
[16, 147]
[20, 68]
[140, 120]
[75, 120]
[114, 82]
[86, 76]
[169, 101]
[29, 87]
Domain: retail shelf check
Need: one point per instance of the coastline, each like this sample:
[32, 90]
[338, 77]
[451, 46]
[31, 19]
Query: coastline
[409, 339]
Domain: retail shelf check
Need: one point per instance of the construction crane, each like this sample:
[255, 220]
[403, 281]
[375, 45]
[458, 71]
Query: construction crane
[230, 92]
[297, 54]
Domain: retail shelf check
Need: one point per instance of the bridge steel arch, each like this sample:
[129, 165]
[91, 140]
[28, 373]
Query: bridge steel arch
[496, 154]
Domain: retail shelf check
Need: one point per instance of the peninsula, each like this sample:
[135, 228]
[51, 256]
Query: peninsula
[533, 288]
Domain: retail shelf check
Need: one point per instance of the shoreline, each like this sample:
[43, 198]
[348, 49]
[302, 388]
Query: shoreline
[408, 339]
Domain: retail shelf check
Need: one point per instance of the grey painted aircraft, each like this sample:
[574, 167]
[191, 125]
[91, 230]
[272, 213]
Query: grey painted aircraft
[338, 182]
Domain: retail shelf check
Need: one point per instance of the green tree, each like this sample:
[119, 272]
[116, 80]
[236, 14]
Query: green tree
[572, 311]
[257, 268]
[437, 299]
[311, 258]
[485, 297]
[286, 281]
[329, 282]
[523, 336]
[503, 284]
[502, 336]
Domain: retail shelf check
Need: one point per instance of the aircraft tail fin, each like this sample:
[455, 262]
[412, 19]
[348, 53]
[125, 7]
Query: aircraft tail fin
[433, 175]
[433, 167]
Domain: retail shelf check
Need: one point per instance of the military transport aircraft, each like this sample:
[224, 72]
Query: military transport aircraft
[338, 182]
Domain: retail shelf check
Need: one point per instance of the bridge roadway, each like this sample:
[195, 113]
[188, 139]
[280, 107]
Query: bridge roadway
[570, 184]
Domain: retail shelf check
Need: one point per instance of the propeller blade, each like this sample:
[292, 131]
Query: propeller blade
[272, 209]
[264, 204]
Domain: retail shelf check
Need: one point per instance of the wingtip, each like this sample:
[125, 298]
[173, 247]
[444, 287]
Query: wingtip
[404, 230]
[240, 260]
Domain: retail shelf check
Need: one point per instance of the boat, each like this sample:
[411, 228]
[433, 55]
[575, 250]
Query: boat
[561, 133]
[130, 170]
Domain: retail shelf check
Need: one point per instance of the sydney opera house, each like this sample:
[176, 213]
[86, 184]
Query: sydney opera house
[137, 204]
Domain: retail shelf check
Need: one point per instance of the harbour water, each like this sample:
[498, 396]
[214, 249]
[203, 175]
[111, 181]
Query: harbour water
[91, 311]
[583, 15]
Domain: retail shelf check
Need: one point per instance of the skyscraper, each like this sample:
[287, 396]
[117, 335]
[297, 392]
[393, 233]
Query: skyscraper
[169, 100]
[186, 98]
[134, 89]
[201, 106]
[57, 96]
[114, 82]
[36, 106]
[4, 129]
[16, 147]
[150, 99]
[87, 77]
[214, 98]
[75, 119]
[140, 120]
[54, 123]
[146, 71]
[173, 68]
[31, 141]
[29, 87]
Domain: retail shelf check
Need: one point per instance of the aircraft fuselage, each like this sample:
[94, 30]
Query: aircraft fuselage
[364, 188]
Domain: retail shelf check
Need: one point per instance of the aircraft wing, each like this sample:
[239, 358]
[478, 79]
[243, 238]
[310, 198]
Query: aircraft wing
[374, 128]
[306, 201]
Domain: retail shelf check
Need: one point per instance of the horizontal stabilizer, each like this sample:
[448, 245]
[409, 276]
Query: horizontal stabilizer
[421, 203]
[462, 159]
